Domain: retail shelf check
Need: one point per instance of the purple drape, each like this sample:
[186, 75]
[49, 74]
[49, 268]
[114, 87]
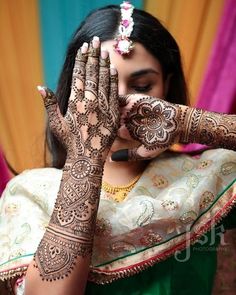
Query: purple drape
[4, 174]
[218, 91]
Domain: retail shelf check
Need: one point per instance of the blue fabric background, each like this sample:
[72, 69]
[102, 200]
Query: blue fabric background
[58, 21]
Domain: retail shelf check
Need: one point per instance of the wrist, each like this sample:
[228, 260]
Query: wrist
[190, 124]
[83, 166]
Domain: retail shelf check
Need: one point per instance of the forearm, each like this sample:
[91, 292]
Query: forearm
[63, 256]
[213, 129]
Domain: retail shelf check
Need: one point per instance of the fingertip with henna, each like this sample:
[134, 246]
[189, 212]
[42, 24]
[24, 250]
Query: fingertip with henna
[48, 96]
[42, 90]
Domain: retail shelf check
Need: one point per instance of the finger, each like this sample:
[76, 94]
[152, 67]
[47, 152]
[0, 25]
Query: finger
[49, 98]
[55, 117]
[78, 77]
[136, 154]
[104, 80]
[113, 101]
[92, 69]
[123, 100]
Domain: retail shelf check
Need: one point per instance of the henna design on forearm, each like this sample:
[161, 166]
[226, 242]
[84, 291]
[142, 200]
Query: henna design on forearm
[88, 137]
[153, 122]
[72, 224]
[212, 129]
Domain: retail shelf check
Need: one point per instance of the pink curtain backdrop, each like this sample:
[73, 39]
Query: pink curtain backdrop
[4, 174]
[218, 90]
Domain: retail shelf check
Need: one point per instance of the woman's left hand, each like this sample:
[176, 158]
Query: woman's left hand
[155, 123]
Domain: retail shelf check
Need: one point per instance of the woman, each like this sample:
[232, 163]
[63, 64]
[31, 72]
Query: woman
[149, 210]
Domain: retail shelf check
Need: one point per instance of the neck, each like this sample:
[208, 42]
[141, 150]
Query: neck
[122, 173]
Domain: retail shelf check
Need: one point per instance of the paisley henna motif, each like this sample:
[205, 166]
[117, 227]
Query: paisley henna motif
[87, 137]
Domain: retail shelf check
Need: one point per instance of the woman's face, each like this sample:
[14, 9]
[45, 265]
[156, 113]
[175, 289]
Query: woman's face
[138, 73]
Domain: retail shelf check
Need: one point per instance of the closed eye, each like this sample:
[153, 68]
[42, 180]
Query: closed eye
[143, 88]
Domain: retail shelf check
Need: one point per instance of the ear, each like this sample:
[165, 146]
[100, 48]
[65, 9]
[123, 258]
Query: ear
[166, 85]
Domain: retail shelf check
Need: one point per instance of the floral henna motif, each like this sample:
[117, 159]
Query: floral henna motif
[153, 122]
[213, 129]
[87, 137]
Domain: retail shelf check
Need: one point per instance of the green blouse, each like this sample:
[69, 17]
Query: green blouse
[190, 272]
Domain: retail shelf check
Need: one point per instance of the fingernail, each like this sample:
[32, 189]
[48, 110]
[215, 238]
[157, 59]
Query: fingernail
[42, 90]
[113, 70]
[121, 155]
[84, 47]
[104, 54]
[95, 42]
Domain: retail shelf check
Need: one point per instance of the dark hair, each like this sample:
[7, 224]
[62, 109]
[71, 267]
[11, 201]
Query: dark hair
[148, 31]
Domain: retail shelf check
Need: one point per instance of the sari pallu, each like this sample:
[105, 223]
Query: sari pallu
[177, 199]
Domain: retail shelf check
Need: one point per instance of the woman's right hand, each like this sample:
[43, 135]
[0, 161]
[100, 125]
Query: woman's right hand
[87, 131]
[92, 119]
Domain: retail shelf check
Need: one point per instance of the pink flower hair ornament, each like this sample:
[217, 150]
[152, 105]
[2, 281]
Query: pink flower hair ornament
[123, 44]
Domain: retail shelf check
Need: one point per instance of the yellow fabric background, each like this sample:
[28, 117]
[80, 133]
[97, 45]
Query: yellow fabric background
[192, 22]
[22, 116]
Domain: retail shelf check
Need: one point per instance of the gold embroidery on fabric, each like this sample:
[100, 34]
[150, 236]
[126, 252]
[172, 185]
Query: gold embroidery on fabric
[121, 246]
[228, 168]
[150, 238]
[188, 217]
[193, 181]
[169, 205]
[206, 199]
[204, 164]
[187, 166]
[159, 181]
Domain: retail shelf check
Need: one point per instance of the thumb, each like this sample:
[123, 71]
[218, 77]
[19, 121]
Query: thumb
[54, 115]
[135, 154]
[49, 98]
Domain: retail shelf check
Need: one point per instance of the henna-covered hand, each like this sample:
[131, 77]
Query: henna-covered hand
[87, 131]
[157, 124]
[151, 121]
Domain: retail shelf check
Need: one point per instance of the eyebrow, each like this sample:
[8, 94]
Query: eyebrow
[144, 72]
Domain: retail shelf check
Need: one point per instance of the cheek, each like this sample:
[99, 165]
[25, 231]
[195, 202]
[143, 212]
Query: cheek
[158, 90]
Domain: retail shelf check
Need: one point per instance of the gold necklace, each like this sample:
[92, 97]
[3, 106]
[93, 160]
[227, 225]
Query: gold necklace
[119, 193]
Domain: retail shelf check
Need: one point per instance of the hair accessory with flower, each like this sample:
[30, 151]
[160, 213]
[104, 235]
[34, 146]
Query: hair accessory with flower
[123, 44]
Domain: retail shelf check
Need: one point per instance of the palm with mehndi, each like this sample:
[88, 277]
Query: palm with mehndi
[87, 131]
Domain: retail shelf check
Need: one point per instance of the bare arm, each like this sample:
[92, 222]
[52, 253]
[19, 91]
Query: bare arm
[61, 262]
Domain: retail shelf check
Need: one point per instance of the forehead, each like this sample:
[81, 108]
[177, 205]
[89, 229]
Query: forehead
[138, 59]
